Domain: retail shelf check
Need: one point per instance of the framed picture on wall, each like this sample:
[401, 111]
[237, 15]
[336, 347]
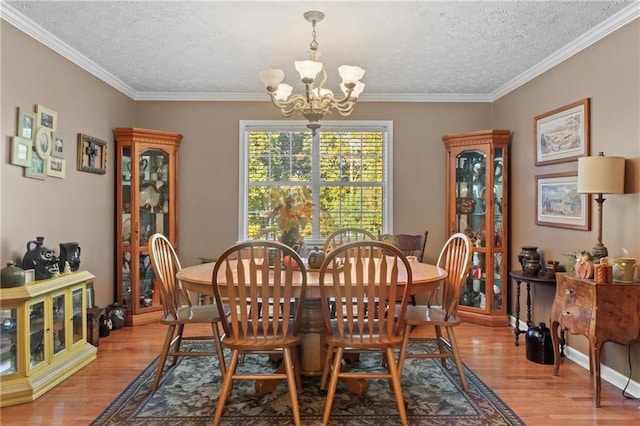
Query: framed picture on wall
[58, 145]
[92, 154]
[43, 144]
[559, 204]
[21, 151]
[37, 169]
[562, 134]
[47, 118]
[26, 124]
[56, 167]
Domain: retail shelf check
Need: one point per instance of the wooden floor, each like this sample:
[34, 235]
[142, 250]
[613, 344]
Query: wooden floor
[528, 388]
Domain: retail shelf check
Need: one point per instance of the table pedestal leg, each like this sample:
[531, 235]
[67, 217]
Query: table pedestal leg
[314, 339]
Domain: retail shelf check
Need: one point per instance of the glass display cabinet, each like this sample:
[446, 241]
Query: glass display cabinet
[477, 205]
[43, 335]
[146, 203]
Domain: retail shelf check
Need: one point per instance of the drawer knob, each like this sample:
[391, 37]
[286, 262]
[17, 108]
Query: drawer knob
[569, 291]
[566, 313]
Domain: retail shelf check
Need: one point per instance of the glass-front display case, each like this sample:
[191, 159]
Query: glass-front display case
[146, 199]
[477, 205]
[8, 341]
[43, 335]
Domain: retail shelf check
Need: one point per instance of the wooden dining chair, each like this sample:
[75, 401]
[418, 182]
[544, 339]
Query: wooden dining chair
[455, 258]
[260, 271]
[410, 245]
[346, 235]
[340, 237]
[178, 309]
[354, 275]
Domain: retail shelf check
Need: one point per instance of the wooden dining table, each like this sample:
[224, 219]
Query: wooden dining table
[425, 279]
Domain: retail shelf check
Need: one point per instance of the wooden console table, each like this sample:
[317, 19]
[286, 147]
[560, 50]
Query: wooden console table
[519, 277]
[601, 312]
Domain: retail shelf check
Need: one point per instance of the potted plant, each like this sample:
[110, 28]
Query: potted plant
[292, 209]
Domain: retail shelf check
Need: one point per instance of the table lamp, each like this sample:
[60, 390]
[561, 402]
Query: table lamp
[600, 175]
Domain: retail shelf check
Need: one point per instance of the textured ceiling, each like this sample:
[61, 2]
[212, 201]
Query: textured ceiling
[411, 50]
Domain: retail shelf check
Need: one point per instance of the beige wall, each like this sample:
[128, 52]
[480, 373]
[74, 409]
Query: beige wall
[608, 73]
[80, 207]
[209, 166]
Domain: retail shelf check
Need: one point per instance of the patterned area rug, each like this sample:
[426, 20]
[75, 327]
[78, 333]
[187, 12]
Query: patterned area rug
[189, 390]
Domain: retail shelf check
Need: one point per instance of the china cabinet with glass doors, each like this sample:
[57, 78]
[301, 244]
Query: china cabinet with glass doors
[43, 335]
[477, 205]
[146, 203]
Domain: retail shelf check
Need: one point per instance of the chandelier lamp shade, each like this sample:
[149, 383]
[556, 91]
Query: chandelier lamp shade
[600, 175]
[316, 101]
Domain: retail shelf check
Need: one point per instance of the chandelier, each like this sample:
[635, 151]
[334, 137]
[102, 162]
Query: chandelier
[316, 101]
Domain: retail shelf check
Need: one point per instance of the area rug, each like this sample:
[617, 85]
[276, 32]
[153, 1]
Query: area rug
[188, 392]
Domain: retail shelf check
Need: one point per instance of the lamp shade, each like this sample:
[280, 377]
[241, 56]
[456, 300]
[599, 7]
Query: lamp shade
[271, 77]
[308, 69]
[601, 175]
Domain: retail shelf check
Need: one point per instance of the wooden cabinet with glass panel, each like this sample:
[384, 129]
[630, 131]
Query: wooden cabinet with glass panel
[146, 203]
[477, 204]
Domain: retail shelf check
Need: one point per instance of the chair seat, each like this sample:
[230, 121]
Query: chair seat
[358, 339]
[259, 340]
[418, 315]
[193, 314]
[260, 343]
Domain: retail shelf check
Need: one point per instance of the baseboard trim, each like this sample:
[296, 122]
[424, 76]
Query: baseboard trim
[607, 374]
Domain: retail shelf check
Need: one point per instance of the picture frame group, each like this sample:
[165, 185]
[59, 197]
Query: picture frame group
[561, 136]
[37, 147]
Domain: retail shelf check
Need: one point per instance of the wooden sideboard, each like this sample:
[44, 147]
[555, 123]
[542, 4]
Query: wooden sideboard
[601, 312]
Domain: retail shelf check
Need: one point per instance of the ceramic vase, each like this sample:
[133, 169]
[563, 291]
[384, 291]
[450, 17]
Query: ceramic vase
[292, 238]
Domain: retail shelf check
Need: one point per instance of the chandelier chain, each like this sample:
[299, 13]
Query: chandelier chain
[314, 44]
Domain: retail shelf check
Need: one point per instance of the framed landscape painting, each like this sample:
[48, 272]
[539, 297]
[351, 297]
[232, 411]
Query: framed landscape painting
[562, 134]
[559, 204]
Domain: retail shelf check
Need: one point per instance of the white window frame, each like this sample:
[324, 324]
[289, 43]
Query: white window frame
[300, 125]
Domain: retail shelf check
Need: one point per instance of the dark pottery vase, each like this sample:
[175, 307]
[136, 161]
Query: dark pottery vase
[528, 253]
[539, 344]
[43, 260]
[70, 252]
[531, 267]
[117, 314]
[551, 268]
[11, 276]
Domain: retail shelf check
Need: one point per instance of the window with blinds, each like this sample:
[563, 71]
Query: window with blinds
[346, 167]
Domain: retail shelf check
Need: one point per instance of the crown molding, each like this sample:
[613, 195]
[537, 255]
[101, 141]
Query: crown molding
[597, 33]
[263, 97]
[27, 26]
[15, 18]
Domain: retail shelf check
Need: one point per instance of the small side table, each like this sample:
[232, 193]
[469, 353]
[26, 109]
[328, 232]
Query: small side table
[519, 277]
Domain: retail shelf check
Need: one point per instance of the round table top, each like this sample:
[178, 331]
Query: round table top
[197, 278]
